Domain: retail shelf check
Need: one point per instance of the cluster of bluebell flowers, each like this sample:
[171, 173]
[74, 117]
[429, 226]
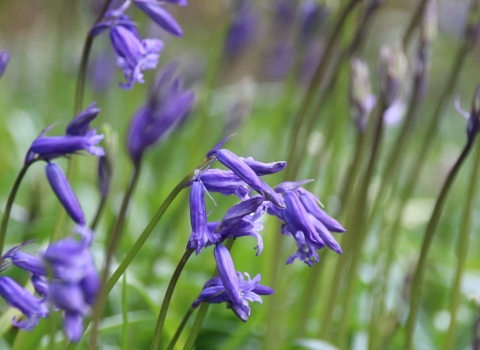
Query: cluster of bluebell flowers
[297, 208]
[134, 54]
[64, 274]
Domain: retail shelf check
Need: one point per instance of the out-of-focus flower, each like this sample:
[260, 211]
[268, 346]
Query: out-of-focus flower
[167, 107]
[4, 58]
[242, 30]
[159, 15]
[280, 58]
[391, 71]
[133, 54]
[64, 193]
[201, 236]
[18, 297]
[362, 100]
[231, 287]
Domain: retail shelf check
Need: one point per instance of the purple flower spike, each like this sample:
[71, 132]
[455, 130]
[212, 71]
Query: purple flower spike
[227, 273]
[49, 147]
[201, 236]
[18, 297]
[134, 54]
[80, 125]
[64, 192]
[4, 58]
[168, 106]
[262, 169]
[235, 214]
[160, 16]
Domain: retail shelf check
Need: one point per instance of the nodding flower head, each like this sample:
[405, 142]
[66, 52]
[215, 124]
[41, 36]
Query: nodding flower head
[133, 54]
[231, 287]
[306, 222]
[166, 109]
[242, 31]
[80, 125]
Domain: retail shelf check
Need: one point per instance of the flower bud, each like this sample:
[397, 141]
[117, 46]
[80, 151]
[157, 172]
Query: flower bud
[392, 67]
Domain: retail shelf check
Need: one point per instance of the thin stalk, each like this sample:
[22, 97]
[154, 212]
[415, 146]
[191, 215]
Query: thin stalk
[98, 213]
[167, 298]
[124, 313]
[416, 289]
[414, 22]
[146, 233]
[112, 245]
[180, 328]
[356, 242]
[314, 84]
[9, 204]
[462, 252]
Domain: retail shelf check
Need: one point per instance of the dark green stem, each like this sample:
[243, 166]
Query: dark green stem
[314, 85]
[416, 289]
[98, 214]
[112, 245]
[180, 328]
[414, 22]
[9, 204]
[168, 297]
[462, 252]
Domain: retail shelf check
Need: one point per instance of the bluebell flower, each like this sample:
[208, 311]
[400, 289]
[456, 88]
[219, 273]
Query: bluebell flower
[18, 297]
[225, 182]
[159, 15]
[242, 31]
[166, 109]
[262, 169]
[247, 174]
[80, 124]
[74, 283]
[248, 226]
[257, 205]
[201, 236]
[133, 54]
[231, 287]
[62, 189]
[4, 58]
[308, 224]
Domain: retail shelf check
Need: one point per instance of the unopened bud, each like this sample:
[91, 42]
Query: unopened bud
[392, 67]
[361, 99]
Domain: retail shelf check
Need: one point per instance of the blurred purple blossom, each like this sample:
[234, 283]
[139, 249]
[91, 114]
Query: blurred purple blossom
[4, 58]
[243, 29]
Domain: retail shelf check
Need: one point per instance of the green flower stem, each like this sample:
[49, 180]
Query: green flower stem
[82, 72]
[297, 130]
[9, 204]
[414, 22]
[180, 328]
[462, 252]
[355, 242]
[416, 289]
[167, 298]
[112, 245]
[98, 213]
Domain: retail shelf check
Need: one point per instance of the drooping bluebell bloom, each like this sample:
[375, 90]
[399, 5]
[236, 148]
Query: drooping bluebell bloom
[247, 174]
[201, 236]
[18, 297]
[308, 224]
[159, 15]
[62, 189]
[225, 182]
[231, 287]
[235, 214]
[167, 107]
[4, 58]
[133, 54]
[80, 124]
[262, 169]
[50, 147]
[243, 29]
[74, 283]
[248, 226]
[313, 15]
